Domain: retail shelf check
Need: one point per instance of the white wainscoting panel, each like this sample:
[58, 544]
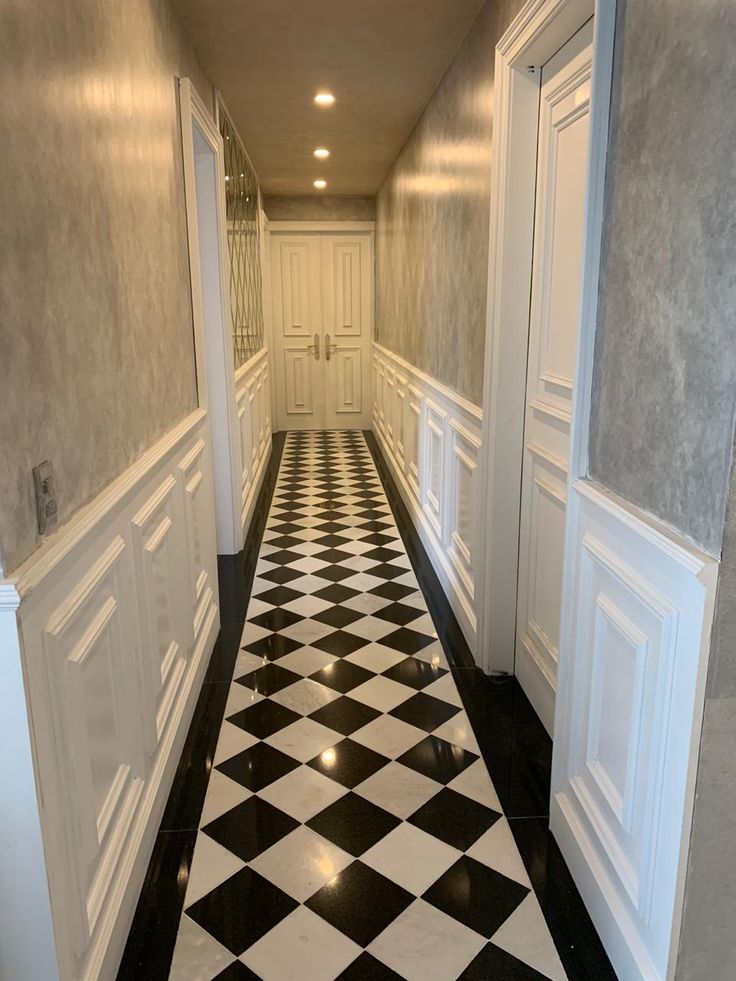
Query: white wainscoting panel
[253, 401]
[630, 698]
[117, 617]
[430, 437]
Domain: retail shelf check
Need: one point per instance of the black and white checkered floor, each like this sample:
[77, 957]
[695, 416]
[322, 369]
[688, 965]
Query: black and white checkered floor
[350, 828]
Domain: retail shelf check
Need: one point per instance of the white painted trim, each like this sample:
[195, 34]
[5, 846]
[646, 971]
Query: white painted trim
[211, 312]
[540, 28]
[430, 439]
[253, 409]
[630, 863]
[81, 606]
[304, 227]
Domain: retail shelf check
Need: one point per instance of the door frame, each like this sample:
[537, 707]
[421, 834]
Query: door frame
[310, 227]
[211, 313]
[538, 31]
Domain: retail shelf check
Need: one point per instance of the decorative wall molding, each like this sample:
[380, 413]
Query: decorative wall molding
[116, 618]
[253, 407]
[430, 437]
[636, 627]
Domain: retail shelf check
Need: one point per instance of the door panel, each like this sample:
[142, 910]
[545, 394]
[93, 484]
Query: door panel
[562, 160]
[297, 322]
[323, 327]
[347, 291]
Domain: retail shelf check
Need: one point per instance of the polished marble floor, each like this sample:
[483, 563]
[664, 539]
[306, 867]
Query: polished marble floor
[350, 828]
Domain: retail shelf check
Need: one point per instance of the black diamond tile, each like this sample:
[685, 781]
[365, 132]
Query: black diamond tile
[342, 676]
[279, 595]
[281, 574]
[333, 541]
[360, 902]
[276, 619]
[257, 767]
[492, 962]
[477, 896]
[353, 823]
[338, 616]
[378, 537]
[340, 643]
[407, 641]
[348, 763]
[272, 647]
[454, 818]
[424, 711]
[270, 678]
[384, 570]
[242, 910]
[414, 673]
[345, 715]
[264, 718]
[399, 613]
[237, 971]
[283, 557]
[437, 759]
[391, 590]
[335, 573]
[250, 828]
[367, 968]
[383, 554]
[331, 526]
[286, 528]
[333, 555]
[283, 541]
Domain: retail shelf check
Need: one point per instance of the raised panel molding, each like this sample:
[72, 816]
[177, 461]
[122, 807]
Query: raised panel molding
[430, 437]
[636, 626]
[117, 617]
[253, 400]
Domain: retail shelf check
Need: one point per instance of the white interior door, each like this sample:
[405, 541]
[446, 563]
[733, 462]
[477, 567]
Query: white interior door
[562, 162]
[323, 327]
[347, 312]
[297, 331]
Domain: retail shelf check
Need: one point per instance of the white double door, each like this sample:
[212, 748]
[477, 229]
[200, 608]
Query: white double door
[322, 315]
[562, 166]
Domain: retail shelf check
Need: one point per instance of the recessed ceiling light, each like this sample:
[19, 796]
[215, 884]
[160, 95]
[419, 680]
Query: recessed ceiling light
[320, 184]
[324, 99]
[321, 153]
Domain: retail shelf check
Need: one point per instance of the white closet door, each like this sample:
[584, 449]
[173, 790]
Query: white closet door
[562, 163]
[347, 314]
[297, 331]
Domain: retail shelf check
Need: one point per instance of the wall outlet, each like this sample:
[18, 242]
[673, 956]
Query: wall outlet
[46, 509]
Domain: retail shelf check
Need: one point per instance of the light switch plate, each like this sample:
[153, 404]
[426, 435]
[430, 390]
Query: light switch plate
[46, 508]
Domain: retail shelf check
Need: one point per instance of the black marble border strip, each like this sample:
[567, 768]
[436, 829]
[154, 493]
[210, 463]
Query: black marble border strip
[518, 753]
[150, 946]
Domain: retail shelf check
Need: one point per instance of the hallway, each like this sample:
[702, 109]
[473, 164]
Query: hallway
[349, 828]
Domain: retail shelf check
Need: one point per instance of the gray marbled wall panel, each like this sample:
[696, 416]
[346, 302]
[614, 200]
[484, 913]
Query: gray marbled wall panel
[665, 360]
[96, 355]
[432, 223]
[330, 207]
[707, 948]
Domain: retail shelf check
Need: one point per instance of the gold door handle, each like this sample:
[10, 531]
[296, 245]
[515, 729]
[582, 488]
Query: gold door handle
[314, 348]
[329, 348]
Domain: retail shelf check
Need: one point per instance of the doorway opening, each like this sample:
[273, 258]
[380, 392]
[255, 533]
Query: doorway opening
[208, 262]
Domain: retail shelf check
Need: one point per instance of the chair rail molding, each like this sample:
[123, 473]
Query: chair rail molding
[107, 630]
[430, 437]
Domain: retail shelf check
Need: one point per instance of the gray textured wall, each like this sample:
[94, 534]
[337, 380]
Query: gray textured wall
[665, 360]
[707, 945]
[433, 214]
[96, 355]
[328, 207]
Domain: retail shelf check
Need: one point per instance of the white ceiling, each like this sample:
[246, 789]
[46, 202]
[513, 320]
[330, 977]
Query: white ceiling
[381, 58]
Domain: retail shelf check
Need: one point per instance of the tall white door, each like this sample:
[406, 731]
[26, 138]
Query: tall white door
[322, 328]
[562, 161]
